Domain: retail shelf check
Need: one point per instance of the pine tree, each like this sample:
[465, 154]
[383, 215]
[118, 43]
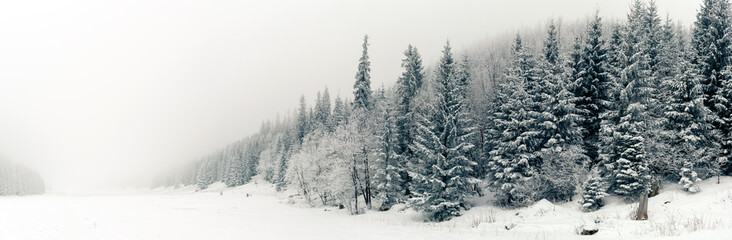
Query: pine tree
[561, 156]
[627, 163]
[630, 174]
[593, 195]
[388, 182]
[590, 82]
[556, 106]
[687, 122]
[442, 174]
[284, 145]
[362, 86]
[339, 116]
[302, 120]
[513, 157]
[551, 45]
[711, 43]
[203, 177]
[322, 110]
[652, 47]
[408, 86]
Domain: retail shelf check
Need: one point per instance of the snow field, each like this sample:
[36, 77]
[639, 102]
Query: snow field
[227, 213]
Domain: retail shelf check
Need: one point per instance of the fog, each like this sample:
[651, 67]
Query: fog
[96, 94]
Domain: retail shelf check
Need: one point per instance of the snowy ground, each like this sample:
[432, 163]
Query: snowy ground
[183, 214]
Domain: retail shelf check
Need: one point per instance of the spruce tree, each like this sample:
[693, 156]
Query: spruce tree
[593, 194]
[590, 81]
[408, 85]
[560, 135]
[513, 156]
[388, 182]
[556, 106]
[340, 115]
[629, 138]
[688, 123]
[362, 86]
[711, 43]
[322, 110]
[302, 120]
[442, 175]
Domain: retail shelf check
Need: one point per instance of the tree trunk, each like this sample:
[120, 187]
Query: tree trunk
[655, 185]
[354, 174]
[367, 179]
[642, 212]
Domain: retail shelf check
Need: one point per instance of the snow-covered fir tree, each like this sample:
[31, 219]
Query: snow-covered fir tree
[322, 111]
[688, 130]
[590, 82]
[442, 174]
[303, 120]
[560, 146]
[711, 44]
[689, 178]
[407, 87]
[513, 156]
[388, 165]
[362, 86]
[593, 194]
[340, 113]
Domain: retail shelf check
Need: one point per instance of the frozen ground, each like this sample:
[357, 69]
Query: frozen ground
[183, 214]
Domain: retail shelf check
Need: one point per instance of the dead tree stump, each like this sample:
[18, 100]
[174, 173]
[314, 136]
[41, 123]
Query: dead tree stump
[655, 187]
[642, 212]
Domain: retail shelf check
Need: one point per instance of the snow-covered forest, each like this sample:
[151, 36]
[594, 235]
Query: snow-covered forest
[572, 111]
[18, 180]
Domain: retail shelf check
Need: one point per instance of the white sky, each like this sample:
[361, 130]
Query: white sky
[91, 91]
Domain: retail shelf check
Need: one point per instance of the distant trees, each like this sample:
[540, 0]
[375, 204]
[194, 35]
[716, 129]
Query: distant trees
[18, 180]
[621, 105]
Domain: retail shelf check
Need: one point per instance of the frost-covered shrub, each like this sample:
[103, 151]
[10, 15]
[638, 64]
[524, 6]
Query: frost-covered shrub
[562, 173]
[689, 178]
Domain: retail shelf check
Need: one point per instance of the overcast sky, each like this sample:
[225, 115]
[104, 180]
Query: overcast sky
[90, 91]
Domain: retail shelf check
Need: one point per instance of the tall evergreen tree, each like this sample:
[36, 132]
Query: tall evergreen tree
[562, 154]
[302, 120]
[556, 103]
[322, 110]
[362, 86]
[388, 181]
[590, 82]
[340, 115]
[513, 157]
[408, 86]
[442, 175]
[687, 123]
[711, 43]
[551, 45]
[627, 165]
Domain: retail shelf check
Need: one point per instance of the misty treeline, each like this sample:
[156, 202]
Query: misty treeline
[587, 109]
[19, 180]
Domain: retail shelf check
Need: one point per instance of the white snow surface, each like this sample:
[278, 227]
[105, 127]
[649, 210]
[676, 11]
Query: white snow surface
[227, 213]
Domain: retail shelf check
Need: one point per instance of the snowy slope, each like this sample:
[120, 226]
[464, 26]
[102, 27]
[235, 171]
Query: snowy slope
[227, 213]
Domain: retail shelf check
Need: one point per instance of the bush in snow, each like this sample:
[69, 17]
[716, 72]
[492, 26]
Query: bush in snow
[689, 178]
[562, 173]
[593, 195]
